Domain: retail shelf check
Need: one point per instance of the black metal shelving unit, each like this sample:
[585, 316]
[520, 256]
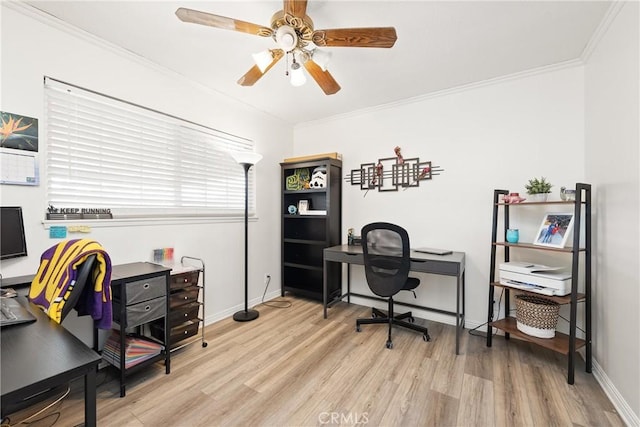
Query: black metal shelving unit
[580, 253]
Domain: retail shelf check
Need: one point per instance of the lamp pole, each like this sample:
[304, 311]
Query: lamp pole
[246, 160]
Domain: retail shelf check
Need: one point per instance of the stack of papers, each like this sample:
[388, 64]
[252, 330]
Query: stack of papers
[137, 350]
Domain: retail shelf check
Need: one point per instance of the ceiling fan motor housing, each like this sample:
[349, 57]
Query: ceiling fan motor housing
[286, 38]
[290, 31]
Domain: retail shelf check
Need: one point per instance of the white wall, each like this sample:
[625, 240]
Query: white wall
[32, 49]
[488, 137]
[570, 125]
[612, 161]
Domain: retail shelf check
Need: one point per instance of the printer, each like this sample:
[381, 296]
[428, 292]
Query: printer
[535, 278]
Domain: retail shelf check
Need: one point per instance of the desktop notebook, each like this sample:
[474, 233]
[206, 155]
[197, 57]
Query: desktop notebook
[434, 251]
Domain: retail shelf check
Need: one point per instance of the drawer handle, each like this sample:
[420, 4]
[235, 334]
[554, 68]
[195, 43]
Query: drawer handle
[147, 308]
[146, 286]
[186, 298]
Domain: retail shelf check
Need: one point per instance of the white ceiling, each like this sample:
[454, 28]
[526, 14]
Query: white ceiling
[440, 45]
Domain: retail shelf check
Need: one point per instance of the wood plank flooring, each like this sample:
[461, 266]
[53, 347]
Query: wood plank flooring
[291, 367]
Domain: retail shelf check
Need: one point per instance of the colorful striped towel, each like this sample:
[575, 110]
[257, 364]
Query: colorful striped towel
[57, 275]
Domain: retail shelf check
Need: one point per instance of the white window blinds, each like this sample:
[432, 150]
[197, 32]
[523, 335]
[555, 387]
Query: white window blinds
[107, 153]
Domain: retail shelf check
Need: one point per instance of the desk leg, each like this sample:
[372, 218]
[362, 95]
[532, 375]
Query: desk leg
[458, 319]
[324, 287]
[90, 398]
[349, 283]
[460, 312]
[464, 286]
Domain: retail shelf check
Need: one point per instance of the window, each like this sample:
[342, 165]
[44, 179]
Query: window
[107, 153]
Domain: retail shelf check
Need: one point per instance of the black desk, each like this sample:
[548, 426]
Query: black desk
[446, 265]
[41, 355]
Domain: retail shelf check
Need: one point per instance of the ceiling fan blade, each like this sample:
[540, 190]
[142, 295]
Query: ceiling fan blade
[254, 74]
[217, 21]
[296, 8]
[324, 79]
[356, 37]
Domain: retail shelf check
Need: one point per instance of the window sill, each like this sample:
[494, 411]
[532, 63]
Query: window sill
[136, 222]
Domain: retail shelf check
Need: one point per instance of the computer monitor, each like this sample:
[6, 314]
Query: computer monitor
[12, 240]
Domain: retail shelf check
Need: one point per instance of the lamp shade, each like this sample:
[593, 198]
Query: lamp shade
[263, 59]
[297, 75]
[322, 58]
[246, 157]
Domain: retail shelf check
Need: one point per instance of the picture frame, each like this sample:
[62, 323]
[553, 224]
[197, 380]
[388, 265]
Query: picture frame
[303, 206]
[555, 229]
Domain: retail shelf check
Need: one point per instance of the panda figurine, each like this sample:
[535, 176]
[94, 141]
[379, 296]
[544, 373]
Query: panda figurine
[318, 177]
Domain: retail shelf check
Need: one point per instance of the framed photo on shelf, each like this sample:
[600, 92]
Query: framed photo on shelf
[303, 206]
[554, 230]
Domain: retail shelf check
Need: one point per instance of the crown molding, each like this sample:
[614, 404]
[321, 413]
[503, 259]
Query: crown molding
[450, 91]
[615, 8]
[57, 23]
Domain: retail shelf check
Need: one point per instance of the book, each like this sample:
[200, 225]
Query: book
[137, 350]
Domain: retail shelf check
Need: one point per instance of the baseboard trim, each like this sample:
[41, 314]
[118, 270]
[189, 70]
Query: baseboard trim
[621, 405]
[209, 319]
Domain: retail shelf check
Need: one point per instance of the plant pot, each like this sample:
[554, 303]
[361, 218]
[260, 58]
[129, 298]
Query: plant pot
[540, 197]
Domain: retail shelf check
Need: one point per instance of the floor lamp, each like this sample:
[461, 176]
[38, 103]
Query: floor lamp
[246, 159]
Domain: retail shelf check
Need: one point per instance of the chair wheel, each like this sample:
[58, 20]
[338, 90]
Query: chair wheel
[426, 337]
[389, 344]
[411, 319]
[357, 328]
[373, 315]
[204, 344]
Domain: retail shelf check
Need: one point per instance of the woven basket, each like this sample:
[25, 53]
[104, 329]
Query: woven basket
[536, 316]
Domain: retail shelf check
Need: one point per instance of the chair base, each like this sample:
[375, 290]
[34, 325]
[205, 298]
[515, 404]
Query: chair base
[380, 317]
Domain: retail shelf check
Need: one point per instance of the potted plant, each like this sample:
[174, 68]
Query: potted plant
[538, 189]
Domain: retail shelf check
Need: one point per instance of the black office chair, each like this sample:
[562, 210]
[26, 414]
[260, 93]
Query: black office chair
[84, 277]
[386, 265]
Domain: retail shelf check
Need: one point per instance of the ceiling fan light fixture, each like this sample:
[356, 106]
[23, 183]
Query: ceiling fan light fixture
[322, 58]
[297, 75]
[263, 59]
[286, 38]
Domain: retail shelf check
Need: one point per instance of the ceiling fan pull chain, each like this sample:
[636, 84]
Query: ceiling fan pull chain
[286, 73]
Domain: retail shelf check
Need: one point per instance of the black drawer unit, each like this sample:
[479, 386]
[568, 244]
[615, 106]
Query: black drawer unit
[140, 299]
[186, 306]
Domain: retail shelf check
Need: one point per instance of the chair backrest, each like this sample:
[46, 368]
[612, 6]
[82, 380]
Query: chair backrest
[386, 257]
[84, 277]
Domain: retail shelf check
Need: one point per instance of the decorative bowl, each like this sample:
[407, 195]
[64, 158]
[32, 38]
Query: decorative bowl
[567, 194]
[513, 198]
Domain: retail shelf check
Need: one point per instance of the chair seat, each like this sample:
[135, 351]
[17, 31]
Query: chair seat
[412, 283]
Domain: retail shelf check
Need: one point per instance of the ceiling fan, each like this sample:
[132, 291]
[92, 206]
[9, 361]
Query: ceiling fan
[293, 32]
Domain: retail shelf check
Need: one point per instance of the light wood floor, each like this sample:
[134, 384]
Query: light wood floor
[291, 367]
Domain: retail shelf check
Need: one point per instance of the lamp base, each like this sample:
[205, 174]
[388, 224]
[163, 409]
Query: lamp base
[246, 316]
